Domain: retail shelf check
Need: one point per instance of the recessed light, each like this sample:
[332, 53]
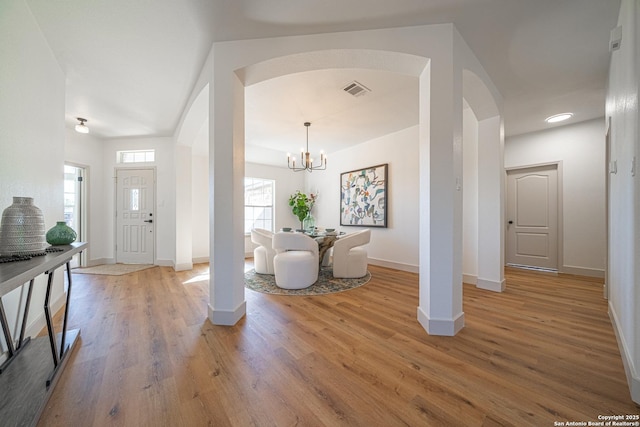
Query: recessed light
[559, 118]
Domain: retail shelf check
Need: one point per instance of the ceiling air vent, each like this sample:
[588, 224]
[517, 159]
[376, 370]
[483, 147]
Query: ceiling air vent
[356, 89]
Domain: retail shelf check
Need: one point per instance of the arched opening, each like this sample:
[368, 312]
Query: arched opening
[439, 153]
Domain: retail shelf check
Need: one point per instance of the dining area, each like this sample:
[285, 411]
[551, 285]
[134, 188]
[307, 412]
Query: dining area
[296, 257]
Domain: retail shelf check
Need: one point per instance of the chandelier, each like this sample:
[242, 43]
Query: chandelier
[305, 158]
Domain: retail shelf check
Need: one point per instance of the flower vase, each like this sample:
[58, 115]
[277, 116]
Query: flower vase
[309, 223]
[61, 234]
[22, 228]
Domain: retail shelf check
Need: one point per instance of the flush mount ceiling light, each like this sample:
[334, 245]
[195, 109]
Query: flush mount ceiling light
[305, 158]
[81, 127]
[559, 118]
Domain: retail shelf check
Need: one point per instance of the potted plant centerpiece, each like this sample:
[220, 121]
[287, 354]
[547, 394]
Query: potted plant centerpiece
[301, 206]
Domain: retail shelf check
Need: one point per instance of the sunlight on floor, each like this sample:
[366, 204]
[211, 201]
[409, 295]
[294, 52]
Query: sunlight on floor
[204, 277]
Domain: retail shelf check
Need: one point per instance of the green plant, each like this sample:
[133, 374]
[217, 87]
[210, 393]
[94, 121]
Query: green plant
[301, 204]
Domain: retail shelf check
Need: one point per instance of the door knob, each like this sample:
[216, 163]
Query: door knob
[148, 220]
[510, 222]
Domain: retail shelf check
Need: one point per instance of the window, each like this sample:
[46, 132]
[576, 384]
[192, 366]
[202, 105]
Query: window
[258, 204]
[137, 156]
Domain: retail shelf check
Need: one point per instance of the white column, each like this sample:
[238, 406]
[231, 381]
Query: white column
[491, 204]
[184, 234]
[440, 310]
[226, 177]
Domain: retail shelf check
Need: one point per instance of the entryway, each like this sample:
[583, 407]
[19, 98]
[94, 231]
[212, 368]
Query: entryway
[532, 217]
[135, 220]
[75, 205]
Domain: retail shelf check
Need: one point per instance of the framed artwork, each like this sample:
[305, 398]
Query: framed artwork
[363, 197]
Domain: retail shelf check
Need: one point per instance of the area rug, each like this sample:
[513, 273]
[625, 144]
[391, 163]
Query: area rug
[326, 284]
[112, 269]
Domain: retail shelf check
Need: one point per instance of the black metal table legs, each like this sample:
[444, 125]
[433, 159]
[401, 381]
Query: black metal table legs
[57, 356]
[14, 349]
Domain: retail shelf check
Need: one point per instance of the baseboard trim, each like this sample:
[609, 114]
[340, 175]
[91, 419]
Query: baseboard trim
[165, 263]
[185, 266]
[492, 285]
[100, 261]
[582, 271]
[200, 260]
[633, 381]
[395, 265]
[470, 279]
[227, 317]
[442, 327]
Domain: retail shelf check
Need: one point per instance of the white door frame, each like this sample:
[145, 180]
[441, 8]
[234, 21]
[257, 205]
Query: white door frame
[84, 211]
[115, 208]
[608, 171]
[560, 239]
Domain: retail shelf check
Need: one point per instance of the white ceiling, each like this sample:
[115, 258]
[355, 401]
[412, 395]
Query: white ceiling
[131, 64]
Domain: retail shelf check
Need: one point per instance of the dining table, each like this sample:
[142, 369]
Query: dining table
[325, 242]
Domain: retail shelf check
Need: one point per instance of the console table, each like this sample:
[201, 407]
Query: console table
[29, 374]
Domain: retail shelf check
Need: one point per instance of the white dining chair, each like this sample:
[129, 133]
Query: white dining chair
[350, 259]
[263, 254]
[296, 261]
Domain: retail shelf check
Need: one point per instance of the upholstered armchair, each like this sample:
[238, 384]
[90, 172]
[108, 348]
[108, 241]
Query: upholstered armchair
[349, 257]
[296, 261]
[263, 254]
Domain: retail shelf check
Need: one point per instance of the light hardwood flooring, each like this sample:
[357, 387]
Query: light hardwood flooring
[541, 352]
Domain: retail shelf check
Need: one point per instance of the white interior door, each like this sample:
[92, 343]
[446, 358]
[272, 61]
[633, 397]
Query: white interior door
[135, 220]
[532, 217]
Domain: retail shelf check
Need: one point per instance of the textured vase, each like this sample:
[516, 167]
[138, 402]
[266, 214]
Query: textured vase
[22, 228]
[309, 223]
[61, 234]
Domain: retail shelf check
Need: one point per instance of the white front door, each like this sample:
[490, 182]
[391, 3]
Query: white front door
[532, 217]
[135, 220]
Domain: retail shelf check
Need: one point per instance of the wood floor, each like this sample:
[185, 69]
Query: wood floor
[542, 351]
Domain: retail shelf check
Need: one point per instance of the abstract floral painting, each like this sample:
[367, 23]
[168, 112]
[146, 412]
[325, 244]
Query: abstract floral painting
[363, 195]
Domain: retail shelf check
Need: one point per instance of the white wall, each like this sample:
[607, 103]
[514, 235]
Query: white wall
[31, 135]
[624, 204]
[397, 245]
[581, 149]
[287, 182]
[86, 150]
[164, 217]
[469, 197]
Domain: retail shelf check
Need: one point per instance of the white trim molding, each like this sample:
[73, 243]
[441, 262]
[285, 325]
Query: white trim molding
[633, 380]
[470, 279]
[227, 317]
[185, 266]
[395, 265]
[492, 285]
[442, 327]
